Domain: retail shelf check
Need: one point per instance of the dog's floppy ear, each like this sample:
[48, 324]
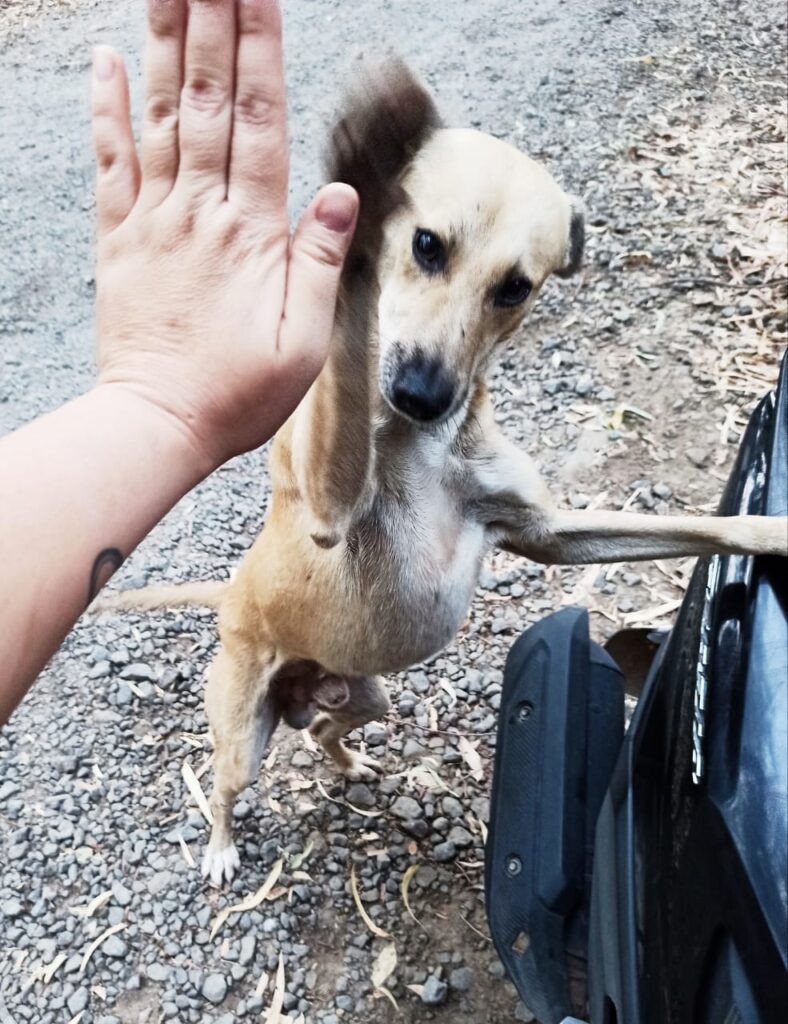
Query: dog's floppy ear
[575, 245]
[383, 123]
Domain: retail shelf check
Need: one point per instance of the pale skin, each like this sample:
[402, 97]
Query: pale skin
[212, 320]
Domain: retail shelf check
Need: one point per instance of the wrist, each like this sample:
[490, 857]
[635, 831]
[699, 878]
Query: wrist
[168, 436]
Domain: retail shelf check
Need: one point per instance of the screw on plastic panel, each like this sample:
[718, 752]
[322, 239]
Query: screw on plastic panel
[524, 711]
[513, 866]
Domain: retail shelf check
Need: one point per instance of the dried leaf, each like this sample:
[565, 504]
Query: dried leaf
[650, 614]
[471, 757]
[301, 876]
[446, 685]
[418, 989]
[95, 904]
[407, 878]
[344, 803]
[187, 853]
[194, 787]
[51, 969]
[97, 942]
[261, 985]
[360, 907]
[385, 992]
[385, 965]
[251, 901]
[275, 1009]
[300, 858]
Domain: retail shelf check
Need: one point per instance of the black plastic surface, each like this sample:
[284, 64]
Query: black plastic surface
[560, 728]
[690, 892]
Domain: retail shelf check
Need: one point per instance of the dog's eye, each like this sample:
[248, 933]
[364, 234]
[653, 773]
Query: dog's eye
[513, 291]
[428, 251]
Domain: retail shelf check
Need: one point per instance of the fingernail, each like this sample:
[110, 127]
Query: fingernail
[103, 63]
[337, 210]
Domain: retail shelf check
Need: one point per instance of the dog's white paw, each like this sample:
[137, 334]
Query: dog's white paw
[360, 767]
[220, 864]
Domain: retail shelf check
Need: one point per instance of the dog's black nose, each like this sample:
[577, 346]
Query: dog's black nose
[422, 389]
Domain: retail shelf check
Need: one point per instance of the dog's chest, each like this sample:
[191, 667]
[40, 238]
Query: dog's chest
[420, 566]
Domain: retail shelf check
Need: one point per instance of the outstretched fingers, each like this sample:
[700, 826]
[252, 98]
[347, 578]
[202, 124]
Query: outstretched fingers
[163, 81]
[206, 109]
[258, 155]
[117, 168]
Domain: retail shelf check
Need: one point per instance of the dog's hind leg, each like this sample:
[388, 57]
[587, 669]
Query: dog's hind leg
[367, 700]
[242, 715]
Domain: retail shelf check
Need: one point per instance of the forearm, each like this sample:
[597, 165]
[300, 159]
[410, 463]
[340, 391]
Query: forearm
[79, 489]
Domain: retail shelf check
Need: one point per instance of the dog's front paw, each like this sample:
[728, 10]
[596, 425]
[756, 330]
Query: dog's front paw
[220, 863]
[359, 767]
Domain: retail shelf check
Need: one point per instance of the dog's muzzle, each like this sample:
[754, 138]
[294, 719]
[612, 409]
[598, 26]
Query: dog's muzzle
[421, 389]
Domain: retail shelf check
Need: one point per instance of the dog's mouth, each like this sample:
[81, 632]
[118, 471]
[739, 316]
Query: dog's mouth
[421, 390]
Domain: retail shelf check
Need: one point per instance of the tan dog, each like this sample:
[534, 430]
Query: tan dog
[391, 481]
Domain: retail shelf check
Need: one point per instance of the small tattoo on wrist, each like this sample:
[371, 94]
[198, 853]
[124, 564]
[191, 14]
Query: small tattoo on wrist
[107, 562]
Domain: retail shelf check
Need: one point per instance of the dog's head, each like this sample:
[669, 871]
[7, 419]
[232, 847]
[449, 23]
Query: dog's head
[462, 231]
[462, 262]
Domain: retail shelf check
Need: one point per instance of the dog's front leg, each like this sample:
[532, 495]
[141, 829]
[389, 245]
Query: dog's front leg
[379, 130]
[521, 517]
[576, 538]
[332, 434]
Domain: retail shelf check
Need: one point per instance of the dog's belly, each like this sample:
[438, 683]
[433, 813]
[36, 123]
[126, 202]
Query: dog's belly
[393, 595]
[407, 596]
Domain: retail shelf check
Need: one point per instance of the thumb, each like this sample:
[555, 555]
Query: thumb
[318, 252]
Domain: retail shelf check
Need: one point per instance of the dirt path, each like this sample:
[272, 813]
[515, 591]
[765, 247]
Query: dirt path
[629, 385]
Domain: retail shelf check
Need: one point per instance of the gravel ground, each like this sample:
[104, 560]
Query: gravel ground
[629, 386]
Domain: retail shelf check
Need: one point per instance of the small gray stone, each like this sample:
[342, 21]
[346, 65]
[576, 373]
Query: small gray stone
[360, 795]
[159, 882]
[214, 988]
[406, 808]
[246, 954]
[698, 456]
[302, 759]
[375, 734]
[412, 749]
[451, 807]
[120, 894]
[100, 670]
[461, 979]
[460, 836]
[78, 1001]
[444, 852]
[11, 908]
[114, 946]
[158, 972]
[434, 992]
[138, 673]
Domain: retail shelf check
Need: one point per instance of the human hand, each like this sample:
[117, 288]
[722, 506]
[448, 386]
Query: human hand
[207, 310]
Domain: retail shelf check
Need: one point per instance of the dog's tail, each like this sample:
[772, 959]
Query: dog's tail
[199, 594]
